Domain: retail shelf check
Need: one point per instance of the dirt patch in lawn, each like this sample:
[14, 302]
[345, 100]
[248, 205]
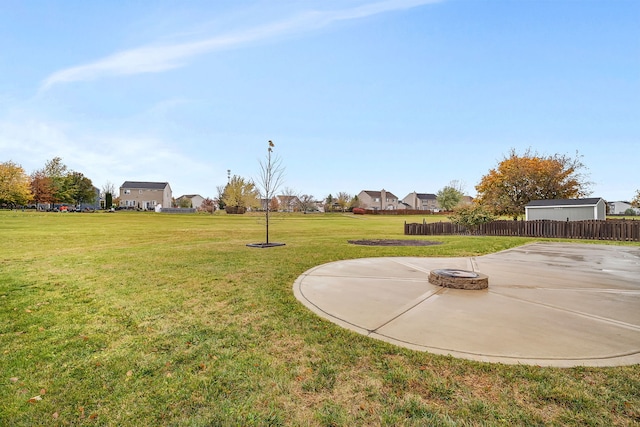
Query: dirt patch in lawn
[394, 242]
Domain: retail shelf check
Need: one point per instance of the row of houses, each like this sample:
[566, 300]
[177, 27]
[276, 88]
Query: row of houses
[386, 200]
[154, 195]
[151, 195]
[558, 209]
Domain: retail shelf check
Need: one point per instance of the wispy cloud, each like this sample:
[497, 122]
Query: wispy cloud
[162, 57]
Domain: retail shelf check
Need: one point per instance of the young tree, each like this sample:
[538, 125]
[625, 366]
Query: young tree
[289, 199]
[14, 185]
[109, 187]
[517, 180]
[343, 200]
[270, 179]
[57, 172]
[208, 205]
[306, 203]
[328, 203]
[220, 197]
[450, 195]
[108, 190]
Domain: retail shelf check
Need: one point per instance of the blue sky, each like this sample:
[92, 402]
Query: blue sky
[405, 95]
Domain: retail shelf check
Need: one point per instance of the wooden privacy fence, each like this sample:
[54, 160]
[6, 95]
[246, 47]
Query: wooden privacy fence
[591, 229]
[397, 212]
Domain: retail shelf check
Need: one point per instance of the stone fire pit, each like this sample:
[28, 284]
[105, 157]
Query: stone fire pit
[458, 279]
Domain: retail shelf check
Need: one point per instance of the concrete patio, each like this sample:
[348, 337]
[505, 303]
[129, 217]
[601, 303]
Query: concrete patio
[548, 304]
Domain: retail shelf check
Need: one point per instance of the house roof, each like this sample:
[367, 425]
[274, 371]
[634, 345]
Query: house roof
[379, 194]
[563, 202]
[145, 185]
[426, 196]
[189, 196]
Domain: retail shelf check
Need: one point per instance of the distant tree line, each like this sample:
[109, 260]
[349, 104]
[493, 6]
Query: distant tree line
[504, 191]
[55, 183]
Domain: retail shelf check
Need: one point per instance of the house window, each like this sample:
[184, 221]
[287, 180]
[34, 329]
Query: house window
[127, 191]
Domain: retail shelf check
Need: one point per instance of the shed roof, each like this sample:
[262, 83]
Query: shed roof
[145, 185]
[563, 202]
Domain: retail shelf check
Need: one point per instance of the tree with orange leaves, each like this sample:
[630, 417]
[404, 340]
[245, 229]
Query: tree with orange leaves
[42, 187]
[519, 179]
[636, 200]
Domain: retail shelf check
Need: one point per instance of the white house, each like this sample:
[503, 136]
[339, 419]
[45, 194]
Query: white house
[566, 209]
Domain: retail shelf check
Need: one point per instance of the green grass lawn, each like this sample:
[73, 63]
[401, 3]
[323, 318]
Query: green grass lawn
[144, 319]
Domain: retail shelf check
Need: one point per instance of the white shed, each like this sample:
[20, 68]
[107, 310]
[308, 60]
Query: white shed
[566, 209]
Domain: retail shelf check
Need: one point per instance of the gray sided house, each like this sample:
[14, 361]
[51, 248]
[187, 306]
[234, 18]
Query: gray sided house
[95, 205]
[421, 201]
[378, 200]
[145, 195]
[566, 209]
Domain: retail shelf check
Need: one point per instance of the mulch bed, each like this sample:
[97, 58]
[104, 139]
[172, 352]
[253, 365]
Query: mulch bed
[264, 245]
[392, 242]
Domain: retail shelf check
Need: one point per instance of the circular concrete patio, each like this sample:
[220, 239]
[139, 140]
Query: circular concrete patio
[548, 304]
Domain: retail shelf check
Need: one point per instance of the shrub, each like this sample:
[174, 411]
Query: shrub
[235, 209]
[471, 216]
